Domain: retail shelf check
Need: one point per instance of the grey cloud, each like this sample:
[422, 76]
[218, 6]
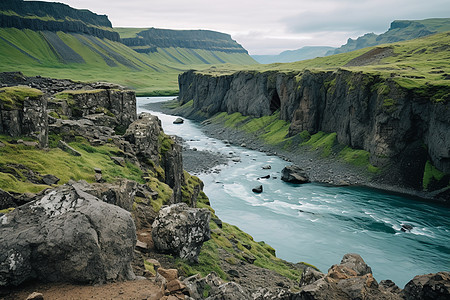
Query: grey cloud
[280, 25]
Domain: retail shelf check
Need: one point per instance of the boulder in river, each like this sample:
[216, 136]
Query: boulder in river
[178, 121]
[258, 189]
[406, 228]
[294, 174]
[181, 230]
[66, 235]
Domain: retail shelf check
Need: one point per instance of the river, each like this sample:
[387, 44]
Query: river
[316, 223]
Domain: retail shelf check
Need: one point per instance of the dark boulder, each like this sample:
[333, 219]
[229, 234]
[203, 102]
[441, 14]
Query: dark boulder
[181, 230]
[406, 228]
[178, 121]
[294, 174]
[258, 189]
[430, 286]
[50, 179]
[6, 200]
[66, 235]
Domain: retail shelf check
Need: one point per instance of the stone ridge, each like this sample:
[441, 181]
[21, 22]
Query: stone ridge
[191, 39]
[399, 30]
[48, 16]
[366, 111]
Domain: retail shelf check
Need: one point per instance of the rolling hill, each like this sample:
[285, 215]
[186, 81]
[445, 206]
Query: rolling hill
[53, 39]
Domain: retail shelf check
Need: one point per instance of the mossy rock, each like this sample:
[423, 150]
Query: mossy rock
[13, 97]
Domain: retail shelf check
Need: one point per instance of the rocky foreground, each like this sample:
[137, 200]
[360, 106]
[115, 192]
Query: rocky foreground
[154, 231]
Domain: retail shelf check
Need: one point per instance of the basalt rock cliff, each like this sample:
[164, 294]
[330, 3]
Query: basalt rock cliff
[150, 39]
[400, 128]
[48, 16]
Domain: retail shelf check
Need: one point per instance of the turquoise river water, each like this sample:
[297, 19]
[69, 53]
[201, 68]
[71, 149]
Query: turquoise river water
[318, 224]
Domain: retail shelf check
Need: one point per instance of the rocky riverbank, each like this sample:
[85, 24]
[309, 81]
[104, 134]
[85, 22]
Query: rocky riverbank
[327, 170]
[387, 120]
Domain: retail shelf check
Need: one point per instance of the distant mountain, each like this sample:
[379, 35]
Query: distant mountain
[306, 52]
[49, 16]
[185, 46]
[400, 30]
[54, 39]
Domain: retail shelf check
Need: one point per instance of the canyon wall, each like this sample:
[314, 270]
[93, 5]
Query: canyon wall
[400, 128]
[48, 16]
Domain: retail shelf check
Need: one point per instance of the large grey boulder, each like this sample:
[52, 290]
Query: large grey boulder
[181, 230]
[143, 134]
[294, 174]
[351, 279]
[429, 286]
[66, 235]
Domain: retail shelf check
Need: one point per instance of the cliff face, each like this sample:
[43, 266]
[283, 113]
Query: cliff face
[192, 39]
[367, 112]
[47, 16]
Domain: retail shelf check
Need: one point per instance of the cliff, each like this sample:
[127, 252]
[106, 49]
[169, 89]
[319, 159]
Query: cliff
[400, 128]
[48, 16]
[399, 30]
[148, 40]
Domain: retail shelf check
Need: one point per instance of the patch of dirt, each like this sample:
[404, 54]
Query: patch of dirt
[371, 57]
[138, 289]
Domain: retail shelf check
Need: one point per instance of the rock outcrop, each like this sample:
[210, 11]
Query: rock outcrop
[294, 174]
[65, 18]
[153, 38]
[430, 286]
[366, 111]
[66, 235]
[23, 112]
[181, 230]
[351, 279]
[149, 142]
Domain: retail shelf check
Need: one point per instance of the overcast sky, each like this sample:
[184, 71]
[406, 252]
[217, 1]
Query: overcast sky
[269, 26]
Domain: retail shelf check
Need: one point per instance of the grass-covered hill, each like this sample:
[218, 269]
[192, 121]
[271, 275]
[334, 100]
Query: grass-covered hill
[400, 30]
[420, 63]
[55, 40]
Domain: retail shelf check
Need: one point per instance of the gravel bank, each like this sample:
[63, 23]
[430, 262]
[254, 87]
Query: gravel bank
[327, 170]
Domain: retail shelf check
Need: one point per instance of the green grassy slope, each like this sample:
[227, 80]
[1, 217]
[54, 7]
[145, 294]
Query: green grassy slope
[419, 63]
[400, 30]
[87, 58]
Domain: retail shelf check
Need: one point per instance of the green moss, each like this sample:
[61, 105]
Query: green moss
[206, 291]
[430, 174]
[63, 165]
[383, 89]
[389, 102]
[305, 135]
[149, 267]
[165, 142]
[13, 97]
[164, 193]
[322, 141]
[357, 157]
[104, 111]
[7, 210]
